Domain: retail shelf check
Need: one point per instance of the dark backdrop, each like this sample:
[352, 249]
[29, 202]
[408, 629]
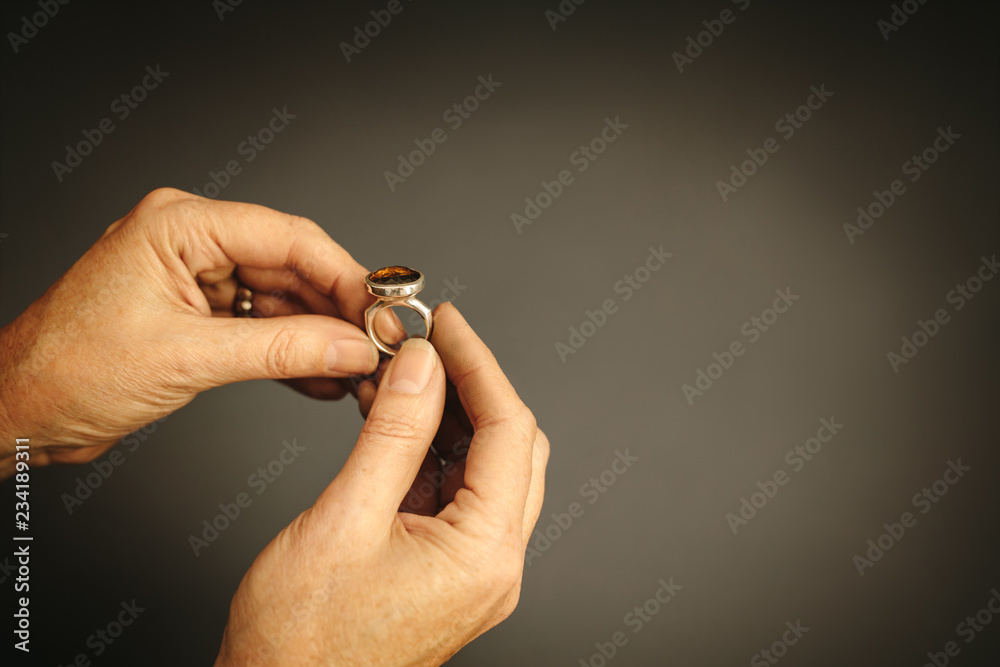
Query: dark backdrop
[523, 287]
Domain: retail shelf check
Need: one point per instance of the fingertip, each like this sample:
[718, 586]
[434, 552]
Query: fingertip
[388, 327]
[353, 356]
[366, 396]
[447, 310]
[412, 369]
[450, 327]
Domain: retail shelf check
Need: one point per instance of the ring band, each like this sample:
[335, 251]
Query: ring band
[243, 303]
[395, 286]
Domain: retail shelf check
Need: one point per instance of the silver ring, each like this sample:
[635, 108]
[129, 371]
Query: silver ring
[395, 286]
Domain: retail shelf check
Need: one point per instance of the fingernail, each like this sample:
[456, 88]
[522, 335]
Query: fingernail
[351, 355]
[411, 370]
[388, 327]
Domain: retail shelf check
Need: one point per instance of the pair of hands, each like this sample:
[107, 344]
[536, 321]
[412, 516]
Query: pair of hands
[127, 336]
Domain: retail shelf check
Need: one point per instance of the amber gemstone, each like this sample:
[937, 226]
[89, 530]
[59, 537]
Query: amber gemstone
[394, 275]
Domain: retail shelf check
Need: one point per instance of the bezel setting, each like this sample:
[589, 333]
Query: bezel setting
[395, 290]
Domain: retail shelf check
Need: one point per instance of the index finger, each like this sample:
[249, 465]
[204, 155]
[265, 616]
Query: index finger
[499, 462]
[261, 237]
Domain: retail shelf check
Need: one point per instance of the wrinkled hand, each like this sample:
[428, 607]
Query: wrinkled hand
[127, 335]
[356, 581]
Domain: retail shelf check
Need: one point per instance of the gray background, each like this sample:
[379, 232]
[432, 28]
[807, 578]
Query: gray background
[664, 517]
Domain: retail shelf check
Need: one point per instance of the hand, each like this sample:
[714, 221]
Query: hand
[442, 472]
[355, 581]
[127, 335]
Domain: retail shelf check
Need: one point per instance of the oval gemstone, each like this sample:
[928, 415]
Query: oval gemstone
[394, 275]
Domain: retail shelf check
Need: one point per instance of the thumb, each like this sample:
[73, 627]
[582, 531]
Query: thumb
[395, 437]
[296, 346]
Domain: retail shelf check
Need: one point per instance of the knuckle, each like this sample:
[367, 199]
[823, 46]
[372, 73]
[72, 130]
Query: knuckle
[301, 222]
[509, 604]
[519, 421]
[506, 562]
[493, 568]
[543, 446]
[512, 566]
[161, 197]
[155, 201]
[392, 426]
[150, 212]
[113, 226]
[524, 423]
[504, 574]
[282, 354]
